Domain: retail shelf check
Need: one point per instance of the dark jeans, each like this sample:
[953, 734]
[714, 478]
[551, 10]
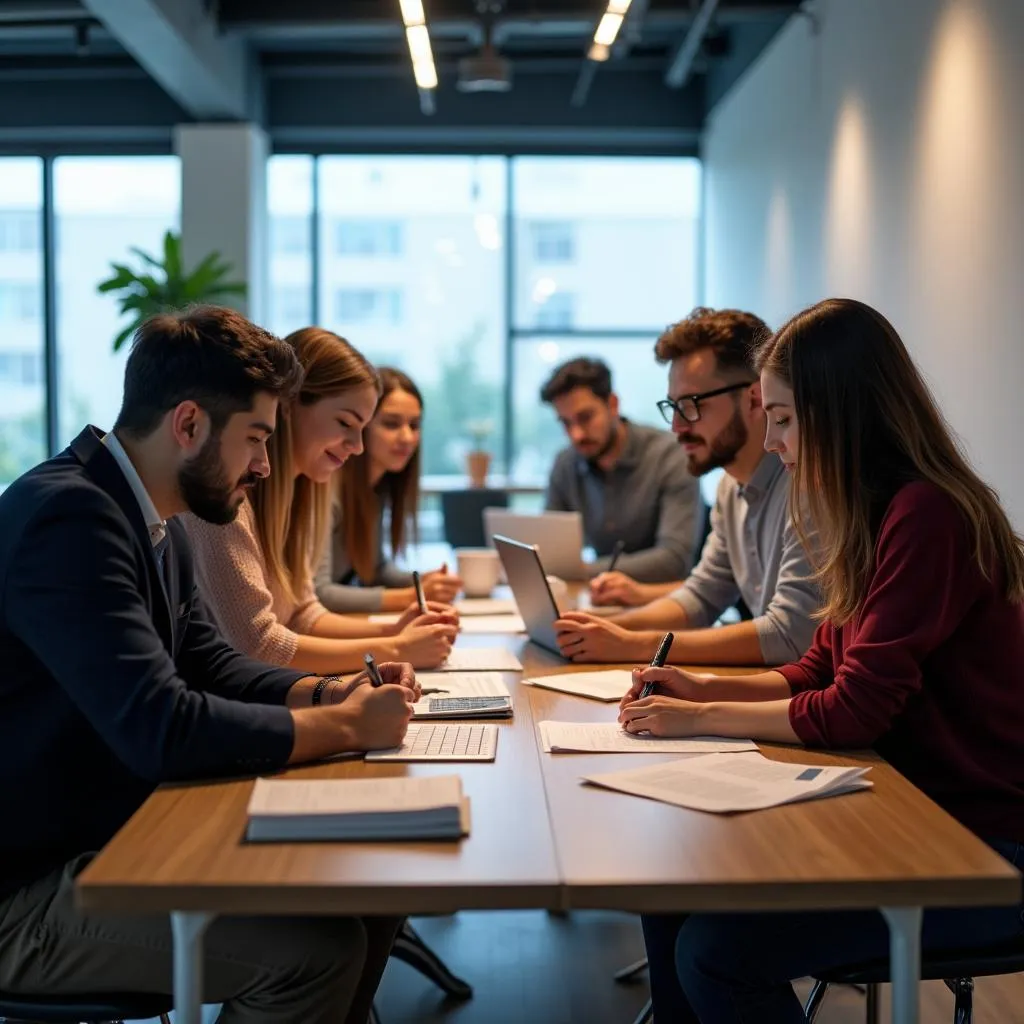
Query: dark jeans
[737, 968]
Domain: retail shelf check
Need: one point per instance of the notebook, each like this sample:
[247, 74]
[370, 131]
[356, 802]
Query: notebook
[300, 810]
[443, 742]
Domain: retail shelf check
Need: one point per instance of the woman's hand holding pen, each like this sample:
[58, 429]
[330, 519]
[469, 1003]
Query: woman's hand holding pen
[436, 612]
[398, 673]
[441, 585]
[669, 682]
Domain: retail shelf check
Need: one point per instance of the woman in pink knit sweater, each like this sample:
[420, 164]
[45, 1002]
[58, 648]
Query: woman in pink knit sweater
[256, 574]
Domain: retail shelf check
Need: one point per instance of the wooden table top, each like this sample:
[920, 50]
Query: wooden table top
[540, 839]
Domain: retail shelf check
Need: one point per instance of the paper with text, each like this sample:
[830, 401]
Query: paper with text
[506, 624]
[723, 783]
[353, 796]
[610, 738]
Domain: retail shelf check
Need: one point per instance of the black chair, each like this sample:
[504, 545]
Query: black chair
[463, 514]
[957, 969]
[627, 976]
[93, 1009]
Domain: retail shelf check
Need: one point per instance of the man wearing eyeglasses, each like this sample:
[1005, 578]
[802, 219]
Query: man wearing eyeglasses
[752, 551]
[640, 506]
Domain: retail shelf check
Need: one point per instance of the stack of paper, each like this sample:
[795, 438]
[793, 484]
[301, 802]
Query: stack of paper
[611, 738]
[481, 659]
[443, 685]
[610, 685]
[294, 810]
[732, 782]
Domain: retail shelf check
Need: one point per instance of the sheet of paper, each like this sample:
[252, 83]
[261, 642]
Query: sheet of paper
[463, 684]
[610, 738]
[384, 620]
[735, 782]
[353, 796]
[608, 685]
[504, 624]
[486, 606]
[481, 659]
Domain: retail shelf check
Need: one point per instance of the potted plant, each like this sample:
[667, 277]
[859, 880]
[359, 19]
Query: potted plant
[167, 286]
[478, 459]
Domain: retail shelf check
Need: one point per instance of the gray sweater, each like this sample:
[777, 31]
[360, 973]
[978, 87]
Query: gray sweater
[648, 500]
[337, 585]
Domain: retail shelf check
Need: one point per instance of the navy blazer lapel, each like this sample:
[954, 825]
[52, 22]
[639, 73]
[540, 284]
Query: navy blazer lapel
[89, 449]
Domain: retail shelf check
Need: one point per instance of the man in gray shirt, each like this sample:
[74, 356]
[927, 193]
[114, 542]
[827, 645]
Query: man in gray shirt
[753, 551]
[629, 482]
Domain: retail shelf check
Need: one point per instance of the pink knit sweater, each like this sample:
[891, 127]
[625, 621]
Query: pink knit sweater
[250, 610]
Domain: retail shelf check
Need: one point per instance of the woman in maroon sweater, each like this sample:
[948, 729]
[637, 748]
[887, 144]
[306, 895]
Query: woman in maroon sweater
[920, 654]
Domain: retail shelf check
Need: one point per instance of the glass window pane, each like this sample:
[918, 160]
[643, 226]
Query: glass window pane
[290, 204]
[637, 379]
[22, 377]
[104, 206]
[617, 236]
[412, 272]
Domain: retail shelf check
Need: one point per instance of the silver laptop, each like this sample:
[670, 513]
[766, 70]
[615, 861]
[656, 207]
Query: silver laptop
[530, 587]
[558, 536]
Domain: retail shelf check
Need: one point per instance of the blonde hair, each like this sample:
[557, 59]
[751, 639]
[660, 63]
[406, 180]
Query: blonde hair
[869, 425]
[293, 514]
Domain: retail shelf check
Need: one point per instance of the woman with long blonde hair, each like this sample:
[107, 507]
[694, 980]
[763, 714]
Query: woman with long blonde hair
[384, 478]
[256, 574]
[918, 655]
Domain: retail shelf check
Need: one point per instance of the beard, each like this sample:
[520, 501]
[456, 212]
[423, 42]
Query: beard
[205, 487]
[606, 446]
[722, 450]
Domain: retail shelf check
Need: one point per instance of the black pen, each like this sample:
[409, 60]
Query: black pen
[420, 599]
[372, 670]
[616, 551]
[658, 661]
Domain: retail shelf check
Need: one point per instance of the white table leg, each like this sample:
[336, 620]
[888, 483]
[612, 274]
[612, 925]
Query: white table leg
[904, 962]
[188, 931]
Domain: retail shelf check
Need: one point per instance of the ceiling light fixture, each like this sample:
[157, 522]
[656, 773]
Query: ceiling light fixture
[418, 38]
[608, 29]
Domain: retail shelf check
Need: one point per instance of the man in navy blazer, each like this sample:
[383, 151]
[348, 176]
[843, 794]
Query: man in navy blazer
[113, 680]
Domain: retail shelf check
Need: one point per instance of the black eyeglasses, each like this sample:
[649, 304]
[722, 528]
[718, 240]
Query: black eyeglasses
[688, 406]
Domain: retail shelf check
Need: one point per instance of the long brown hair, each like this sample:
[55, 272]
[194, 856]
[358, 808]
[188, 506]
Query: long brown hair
[868, 425]
[360, 502]
[293, 514]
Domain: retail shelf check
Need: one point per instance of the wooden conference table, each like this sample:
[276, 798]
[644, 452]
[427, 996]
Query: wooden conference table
[539, 839]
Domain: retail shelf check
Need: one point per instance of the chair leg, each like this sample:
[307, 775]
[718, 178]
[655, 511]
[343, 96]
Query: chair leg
[646, 1015]
[632, 972]
[872, 1008]
[411, 949]
[963, 1010]
[374, 1017]
[814, 1000]
[165, 1018]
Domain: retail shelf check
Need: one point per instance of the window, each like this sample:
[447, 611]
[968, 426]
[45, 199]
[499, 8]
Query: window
[289, 236]
[22, 388]
[21, 368]
[20, 231]
[368, 238]
[625, 241]
[358, 306]
[552, 242]
[103, 207]
[20, 301]
[290, 227]
[435, 306]
[555, 312]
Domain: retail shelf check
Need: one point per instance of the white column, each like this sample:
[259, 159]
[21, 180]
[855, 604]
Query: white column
[224, 203]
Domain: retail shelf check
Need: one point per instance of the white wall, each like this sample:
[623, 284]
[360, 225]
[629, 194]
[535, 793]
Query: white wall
[881, 157]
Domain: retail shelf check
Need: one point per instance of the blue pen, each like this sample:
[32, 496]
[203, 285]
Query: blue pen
[372, 670]
[658, 661]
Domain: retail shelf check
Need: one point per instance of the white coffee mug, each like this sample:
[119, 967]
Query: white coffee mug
[478, 568]
[560, 592]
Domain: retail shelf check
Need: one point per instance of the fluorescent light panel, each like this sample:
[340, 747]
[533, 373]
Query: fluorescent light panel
[608, 29]
[418, 38]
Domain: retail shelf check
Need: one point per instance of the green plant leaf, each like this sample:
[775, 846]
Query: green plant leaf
[146, 258]
[172, 256]
[124, 335]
